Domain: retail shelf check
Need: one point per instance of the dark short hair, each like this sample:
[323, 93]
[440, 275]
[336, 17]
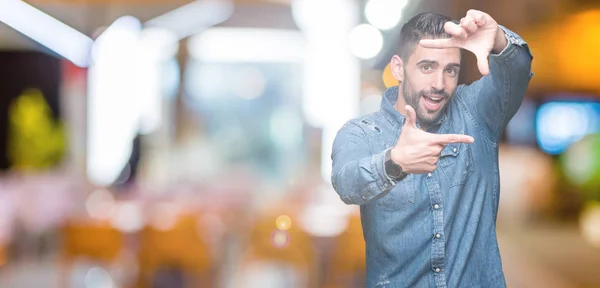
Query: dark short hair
[422, 26]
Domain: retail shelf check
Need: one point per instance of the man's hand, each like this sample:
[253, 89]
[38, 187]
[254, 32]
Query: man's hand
[417, 151]
[477, 32]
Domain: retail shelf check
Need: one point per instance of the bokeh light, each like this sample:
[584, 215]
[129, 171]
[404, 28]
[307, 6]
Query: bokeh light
[323, 220]
[164, 216]
[581, 165]
[590, 223]
[365, 41]
[280, 239]
[128, 217]
[250, 84]
[98, 278]
[384, 14]
[100, 204]
[283, 222]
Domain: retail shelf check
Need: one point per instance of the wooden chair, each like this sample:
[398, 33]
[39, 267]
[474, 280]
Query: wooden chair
[91, 240]
[180, 247]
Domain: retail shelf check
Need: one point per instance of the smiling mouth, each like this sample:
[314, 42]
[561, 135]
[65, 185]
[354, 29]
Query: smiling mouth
[433, 103]
[435, 99]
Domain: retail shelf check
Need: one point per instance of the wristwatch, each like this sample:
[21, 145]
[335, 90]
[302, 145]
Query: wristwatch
[392, 169]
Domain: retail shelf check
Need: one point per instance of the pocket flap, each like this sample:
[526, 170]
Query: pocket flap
[452, 149]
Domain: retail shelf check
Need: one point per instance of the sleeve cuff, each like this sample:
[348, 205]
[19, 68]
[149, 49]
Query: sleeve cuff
[384, 182]
[513, 40]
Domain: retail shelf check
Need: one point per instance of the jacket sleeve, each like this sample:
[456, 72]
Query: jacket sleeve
[357, 175]
[494, 99]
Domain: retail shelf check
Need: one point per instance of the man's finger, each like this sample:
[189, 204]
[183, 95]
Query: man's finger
[468, 23]
[441, 43]
[453, 138]
[483, 64]
[455, 30]
[478, 16]
[411, 116]
[436, 149]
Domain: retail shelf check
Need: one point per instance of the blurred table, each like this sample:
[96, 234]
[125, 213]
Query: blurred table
[550, 255]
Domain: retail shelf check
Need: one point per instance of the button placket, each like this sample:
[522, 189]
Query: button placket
[438, 243]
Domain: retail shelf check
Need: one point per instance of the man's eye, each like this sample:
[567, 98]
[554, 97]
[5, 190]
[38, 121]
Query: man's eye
[426, 68]
[452, 72]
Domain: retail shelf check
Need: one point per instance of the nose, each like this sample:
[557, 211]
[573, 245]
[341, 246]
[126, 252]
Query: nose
[438, 82]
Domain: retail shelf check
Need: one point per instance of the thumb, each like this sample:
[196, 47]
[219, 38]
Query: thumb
[411, 116]
[483, 64]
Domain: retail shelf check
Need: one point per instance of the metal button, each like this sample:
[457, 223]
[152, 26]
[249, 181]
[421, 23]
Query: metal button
[437, 270]
[436, 206]
[364, 197]
[385, 185]
[438, 235]
[454, 150]
[428, 175]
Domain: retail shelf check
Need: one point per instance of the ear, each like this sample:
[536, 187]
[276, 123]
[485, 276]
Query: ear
[397, 67]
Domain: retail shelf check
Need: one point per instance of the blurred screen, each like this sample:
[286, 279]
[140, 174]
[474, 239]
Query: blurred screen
[561, 123]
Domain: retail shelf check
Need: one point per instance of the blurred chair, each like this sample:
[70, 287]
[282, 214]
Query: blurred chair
[95, 241]
[278, 258]
[3, 256]
[347, 265]
[176, 248]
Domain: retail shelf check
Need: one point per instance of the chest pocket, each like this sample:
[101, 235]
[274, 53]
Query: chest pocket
[456, 163]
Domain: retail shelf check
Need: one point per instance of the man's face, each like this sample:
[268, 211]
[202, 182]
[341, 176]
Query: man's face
[430, 78]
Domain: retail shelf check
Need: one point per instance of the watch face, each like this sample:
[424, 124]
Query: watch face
[393, 169]
[397, 170]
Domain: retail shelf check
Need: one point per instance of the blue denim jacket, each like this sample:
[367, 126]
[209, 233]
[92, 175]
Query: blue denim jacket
[436, 229]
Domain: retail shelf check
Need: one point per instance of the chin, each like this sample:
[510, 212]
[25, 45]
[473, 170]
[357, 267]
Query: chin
[429, 118]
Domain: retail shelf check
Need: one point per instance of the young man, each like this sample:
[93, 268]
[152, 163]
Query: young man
[424, 169]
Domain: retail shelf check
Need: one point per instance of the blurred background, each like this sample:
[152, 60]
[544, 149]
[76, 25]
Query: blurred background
[155, 143]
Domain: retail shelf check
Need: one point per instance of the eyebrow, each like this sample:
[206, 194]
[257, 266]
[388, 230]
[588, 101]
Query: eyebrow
[430, 62]
[436, 63]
